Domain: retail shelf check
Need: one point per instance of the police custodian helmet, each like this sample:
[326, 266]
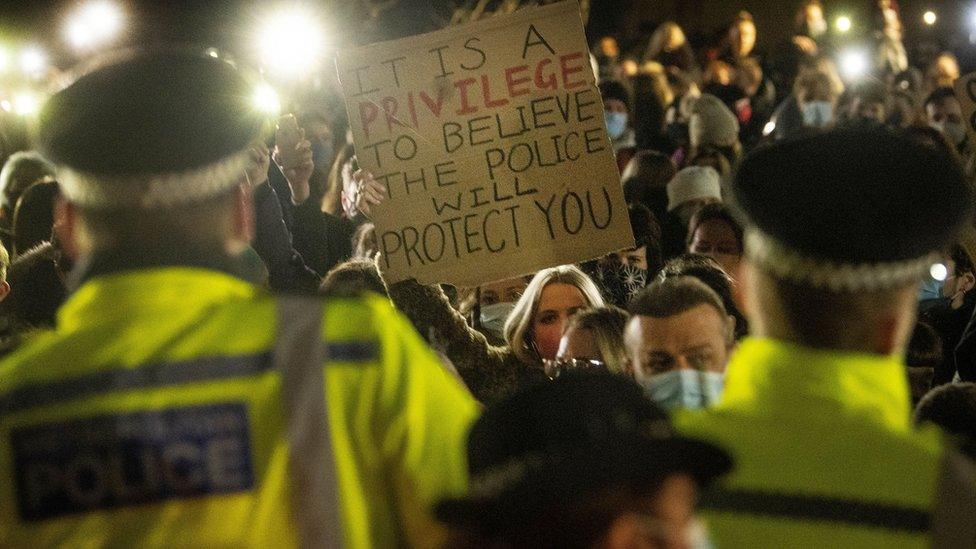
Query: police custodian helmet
[150, 130]
[850, 209]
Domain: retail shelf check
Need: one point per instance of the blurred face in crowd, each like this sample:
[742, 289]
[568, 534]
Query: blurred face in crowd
[557, 303]
[696, 339]
[609, 47]
[957, 284]
[636, 257]
[503, 291]
[868, 110]
[675, 38]
[814, 19]
[716, 239]
[614, 105]
[947, 70]
[743, 37]
[946, 116]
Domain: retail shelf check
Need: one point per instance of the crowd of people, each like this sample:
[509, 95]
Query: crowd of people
[786, 358]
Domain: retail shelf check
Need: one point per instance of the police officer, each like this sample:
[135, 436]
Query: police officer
[177, 405]
[841, 228]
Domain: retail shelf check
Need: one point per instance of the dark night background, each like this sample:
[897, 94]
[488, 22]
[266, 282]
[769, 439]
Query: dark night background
[227, 24]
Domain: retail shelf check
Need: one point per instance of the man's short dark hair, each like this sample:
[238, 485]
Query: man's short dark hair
[963, 263]
[939, 95]
[953, 408]
[674, 296]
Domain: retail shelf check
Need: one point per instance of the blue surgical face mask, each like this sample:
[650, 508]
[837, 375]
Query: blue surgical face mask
[616, 123]
[691, 389]
[817, 114]
[493, 317]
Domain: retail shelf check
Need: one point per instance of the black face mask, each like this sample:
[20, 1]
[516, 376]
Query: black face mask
[620, 283]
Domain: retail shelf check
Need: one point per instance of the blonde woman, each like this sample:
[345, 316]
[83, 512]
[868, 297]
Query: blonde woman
[532, 331]
[593, 338]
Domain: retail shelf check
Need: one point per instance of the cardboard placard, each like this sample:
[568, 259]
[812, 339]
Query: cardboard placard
[490, 140]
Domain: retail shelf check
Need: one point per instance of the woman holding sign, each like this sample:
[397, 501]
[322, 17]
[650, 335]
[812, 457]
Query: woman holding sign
[532, 331]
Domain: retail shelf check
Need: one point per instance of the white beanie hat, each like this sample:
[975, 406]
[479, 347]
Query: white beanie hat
[712, 123]
[695, 182]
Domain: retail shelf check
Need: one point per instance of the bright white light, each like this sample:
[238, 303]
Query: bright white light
[213, 52]
[929, 17]
[26, 103]
[843, 23]
[853, 63]
[33, 60]
[94, 24]
[939, 272]
[291, 42]
[4, 59]
[769, 128]
[5, 105]
[266, 99]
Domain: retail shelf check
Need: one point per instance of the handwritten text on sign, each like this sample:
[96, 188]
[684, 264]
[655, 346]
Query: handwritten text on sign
[491, 143]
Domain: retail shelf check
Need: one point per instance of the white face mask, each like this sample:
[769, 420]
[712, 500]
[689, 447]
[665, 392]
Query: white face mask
[817, 114]
[493, 317]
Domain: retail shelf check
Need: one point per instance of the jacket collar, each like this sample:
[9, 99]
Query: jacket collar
[160, 290]
[793, 381]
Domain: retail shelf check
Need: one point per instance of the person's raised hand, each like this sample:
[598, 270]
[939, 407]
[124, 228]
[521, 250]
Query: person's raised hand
[368, 191]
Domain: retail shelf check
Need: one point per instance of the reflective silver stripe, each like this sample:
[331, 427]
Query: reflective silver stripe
[149, 376]
[954, 518]
[299, 355]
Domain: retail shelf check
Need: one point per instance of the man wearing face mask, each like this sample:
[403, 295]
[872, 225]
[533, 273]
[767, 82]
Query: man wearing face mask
[678, 342]
[616, 115]
[944, 113]
[815, 96]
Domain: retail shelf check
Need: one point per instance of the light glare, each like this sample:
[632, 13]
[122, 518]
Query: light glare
[266, 99]
[843, 23]
[929, 18]
[291, 43]
[939, 272]
[33, 60]
[853, 63]
[26, 103]
[94, 24]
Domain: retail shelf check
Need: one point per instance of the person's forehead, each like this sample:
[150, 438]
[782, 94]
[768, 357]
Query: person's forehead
[560, 295]
[505, 285]
[699, 325]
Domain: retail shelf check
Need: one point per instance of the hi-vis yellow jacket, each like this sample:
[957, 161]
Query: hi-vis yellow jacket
[825, 456]
[178, 407]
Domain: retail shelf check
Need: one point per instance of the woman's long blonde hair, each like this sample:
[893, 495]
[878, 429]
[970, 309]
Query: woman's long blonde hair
[518, 327]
